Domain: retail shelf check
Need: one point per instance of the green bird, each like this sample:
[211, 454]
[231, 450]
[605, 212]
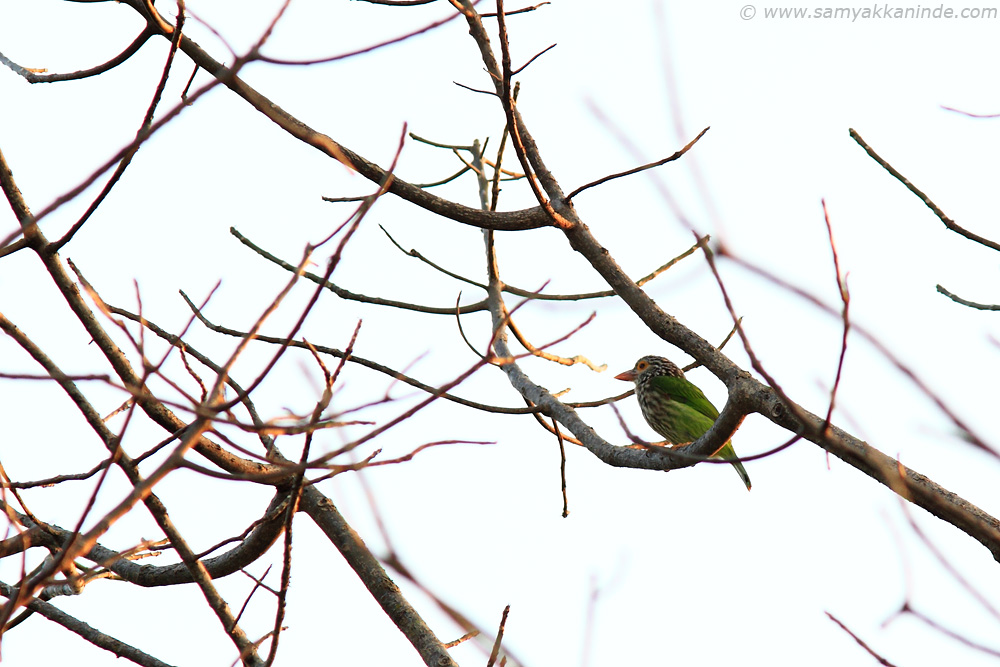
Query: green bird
[674, 407]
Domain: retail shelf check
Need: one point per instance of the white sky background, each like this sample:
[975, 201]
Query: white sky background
[688, 567]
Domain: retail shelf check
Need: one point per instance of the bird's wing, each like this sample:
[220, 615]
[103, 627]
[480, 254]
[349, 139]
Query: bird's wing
[683, 391]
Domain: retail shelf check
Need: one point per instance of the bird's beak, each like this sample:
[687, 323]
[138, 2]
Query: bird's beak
[627, 376]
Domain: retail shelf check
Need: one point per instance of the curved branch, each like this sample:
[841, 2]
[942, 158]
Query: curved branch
[127, 158]
[676, 156]
[531, 218]
[33, 76]
[367, 49]
[352, 296]
[948, 222]
[966, 302]
[252, 547]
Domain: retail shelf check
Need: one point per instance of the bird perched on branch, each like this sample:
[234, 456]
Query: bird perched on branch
[674, 407]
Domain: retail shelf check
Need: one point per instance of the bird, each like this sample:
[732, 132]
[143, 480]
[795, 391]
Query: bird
[674, 407]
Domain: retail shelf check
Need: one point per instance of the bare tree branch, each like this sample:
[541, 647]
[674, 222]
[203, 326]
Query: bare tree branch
[374, 577]
[35, 76]
[965, 302]
[861, 643]
[948, 222]
[88, 633]
[636, 170]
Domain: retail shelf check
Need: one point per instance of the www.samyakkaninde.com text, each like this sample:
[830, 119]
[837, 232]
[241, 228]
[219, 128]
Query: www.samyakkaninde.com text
[873, 12]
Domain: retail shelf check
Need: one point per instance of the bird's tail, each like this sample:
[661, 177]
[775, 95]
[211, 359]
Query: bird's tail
[729, 454]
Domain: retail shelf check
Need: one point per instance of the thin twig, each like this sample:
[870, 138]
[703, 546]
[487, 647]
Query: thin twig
[754, 360]
[964, 302]
[948, 222]
[970, 114]
[87, 632]
[461, 330]
[367, 49]
[474, 90]
[258, 584]
[845, 299]
[636, 170]
[499, 639]
[495, 192]
[464, 638]
[516, 11]
[533, 59]
[57, 479]
[861, 643]
[345, 294]
[143, 127]
[565, 361]
[562, 466]
[948, 632]
[36, 76]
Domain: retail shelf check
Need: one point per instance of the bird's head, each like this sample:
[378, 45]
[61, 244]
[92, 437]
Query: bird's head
[650, 367]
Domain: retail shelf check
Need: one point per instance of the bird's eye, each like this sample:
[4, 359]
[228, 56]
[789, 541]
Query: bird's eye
[641, 366]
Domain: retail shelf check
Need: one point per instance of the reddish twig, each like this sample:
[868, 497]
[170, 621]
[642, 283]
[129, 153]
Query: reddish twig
[367, 49]
[499, 639]
[845, 298]
[861, 643]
